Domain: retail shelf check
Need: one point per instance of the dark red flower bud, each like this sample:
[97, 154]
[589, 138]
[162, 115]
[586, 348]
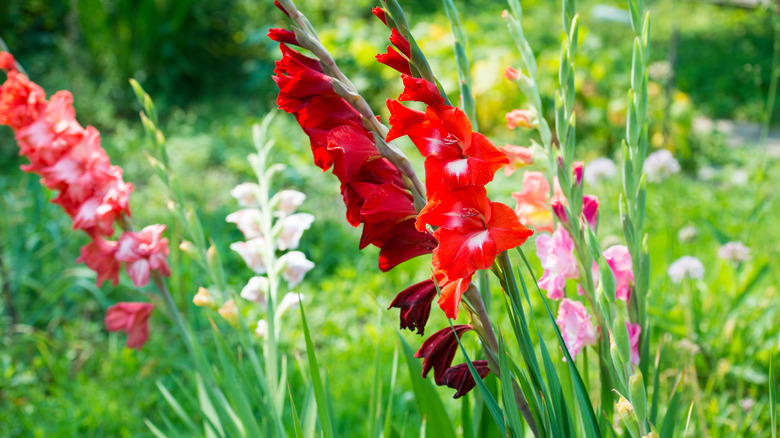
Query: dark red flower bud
[283, 36]
[380, 13]
[400, 42]
[394, 60]
[415, 304]
[459, 377]
[439, 349]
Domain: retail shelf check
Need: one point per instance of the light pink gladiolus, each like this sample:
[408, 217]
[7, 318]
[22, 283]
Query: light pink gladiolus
[246, 194]
[575, 325]
[532, 208]
[248, 220]
[292, 229]
[252, 253]
[131, 318]
[619, 260]
[634, 330]
[519, 156]
[521, 118]
[289, 201]
[143, 252]
[556, 253]
[294, 266]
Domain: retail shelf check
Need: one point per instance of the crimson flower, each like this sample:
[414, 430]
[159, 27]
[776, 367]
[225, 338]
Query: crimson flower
[459, 377]
[131, 318]
[415, 304]
[438, 351]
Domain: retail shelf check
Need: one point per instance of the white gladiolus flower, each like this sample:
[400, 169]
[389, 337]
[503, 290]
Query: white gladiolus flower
[252, 253]
[290, 301]
[255, 289]
[599, 169]
[686, 267]
[661, 164]
[248, 220]
[246, 194]
[294, 266]
[289, 200]
[735, 252]
[292, 230]
[262, 328]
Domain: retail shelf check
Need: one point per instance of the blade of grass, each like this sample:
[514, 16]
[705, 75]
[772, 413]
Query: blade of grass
[510, 408]
[176, 406]
[670, 419]
[388, 427]
[772, 396]
[296, 420]
[316, 378]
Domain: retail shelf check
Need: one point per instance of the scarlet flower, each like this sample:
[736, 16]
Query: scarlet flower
[380, 13]
[415, 304]
[438, 351]
[283, 36]
[459, 377]
[143, 252]
[474, 242]
[394, 60]
[131, 318]
[451, 293]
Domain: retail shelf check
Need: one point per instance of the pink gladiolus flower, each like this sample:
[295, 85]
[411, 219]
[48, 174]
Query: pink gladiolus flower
[511, 73]
[143, 252]
[634, 330]
[619, 260]
[131, 318]
[521, 118]
[556, 253]
[519, 156]
[575, 325]
[577, 170]
[292, 229]
[531, 206]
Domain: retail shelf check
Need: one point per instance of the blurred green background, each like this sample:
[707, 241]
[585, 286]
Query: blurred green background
[208, 64]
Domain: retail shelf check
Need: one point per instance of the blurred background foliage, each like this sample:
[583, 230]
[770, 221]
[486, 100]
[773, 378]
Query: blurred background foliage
[208, 65]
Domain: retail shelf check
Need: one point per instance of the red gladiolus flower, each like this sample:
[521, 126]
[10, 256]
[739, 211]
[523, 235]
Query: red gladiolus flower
[394, 60]
[415, 304]
[380, 14]
[439, 350]
[459, 377]
[131, 318]
[451, 293]
[283, 36]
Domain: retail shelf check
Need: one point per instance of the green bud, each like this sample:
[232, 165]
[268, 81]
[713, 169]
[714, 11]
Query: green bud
[626, 412]
[620, 332]
[636, 389]
[616, 361]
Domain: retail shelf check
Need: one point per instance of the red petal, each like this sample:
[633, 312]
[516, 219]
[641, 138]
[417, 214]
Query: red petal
[506, 228]
[420, 90]
[458, 211]
[394, 60]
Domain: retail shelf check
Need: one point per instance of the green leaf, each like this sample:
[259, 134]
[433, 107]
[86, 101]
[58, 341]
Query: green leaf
[507, 391]
[177, 408]
[428, 402]
[772, 395]
[316, 378]
[670, 419]
[296, 420]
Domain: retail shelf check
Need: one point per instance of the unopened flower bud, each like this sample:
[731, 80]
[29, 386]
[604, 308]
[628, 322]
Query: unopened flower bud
[559, 209]
[204, 298]
[186, 247]
[521, 118]
[578, 172]
[229, 311]
[636, 389]
[626, 412]
[511, 73]
[620, 332]
[613, 352]
[211, 254]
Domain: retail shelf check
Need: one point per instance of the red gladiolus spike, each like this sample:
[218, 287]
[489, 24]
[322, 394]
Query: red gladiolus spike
[394, 60]
[131, 318]
[420, 90]
[21, 101]
[401, 43]
[380, 13]
[438, 351]
[415, 304]
[350, 148]
[459, 377]
[283, 36]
